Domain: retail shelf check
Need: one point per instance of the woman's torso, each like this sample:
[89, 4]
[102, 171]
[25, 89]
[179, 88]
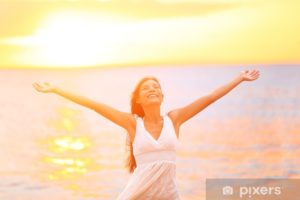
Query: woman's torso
[147, 149]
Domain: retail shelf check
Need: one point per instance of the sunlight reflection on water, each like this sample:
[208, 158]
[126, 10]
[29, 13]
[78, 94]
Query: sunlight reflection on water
[52, 146]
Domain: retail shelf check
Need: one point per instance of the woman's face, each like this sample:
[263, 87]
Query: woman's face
[150, 93]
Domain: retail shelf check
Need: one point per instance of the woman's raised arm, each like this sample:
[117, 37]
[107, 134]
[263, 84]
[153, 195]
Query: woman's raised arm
[179, 116]
[123, 119]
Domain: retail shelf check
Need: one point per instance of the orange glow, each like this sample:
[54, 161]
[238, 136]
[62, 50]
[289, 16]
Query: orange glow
[71, 39]
[67, 155]
[70, 143]
[108, 33]
[68, 158]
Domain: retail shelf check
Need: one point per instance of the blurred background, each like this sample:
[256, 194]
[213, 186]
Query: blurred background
[52, 148]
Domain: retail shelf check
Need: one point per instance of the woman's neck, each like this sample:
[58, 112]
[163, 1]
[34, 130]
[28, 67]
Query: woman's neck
[152, 114]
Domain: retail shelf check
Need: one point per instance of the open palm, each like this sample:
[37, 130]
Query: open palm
[44, 87]
[250, 75]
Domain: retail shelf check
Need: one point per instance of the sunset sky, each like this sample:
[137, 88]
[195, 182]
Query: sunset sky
[83, 33]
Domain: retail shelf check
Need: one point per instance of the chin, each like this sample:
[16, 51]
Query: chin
[154, 102]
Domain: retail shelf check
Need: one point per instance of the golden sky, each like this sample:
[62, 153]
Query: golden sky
[80, 33]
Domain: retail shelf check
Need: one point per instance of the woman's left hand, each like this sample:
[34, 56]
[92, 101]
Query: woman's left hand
[249, 75]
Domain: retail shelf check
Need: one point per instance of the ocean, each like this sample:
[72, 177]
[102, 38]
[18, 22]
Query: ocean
[52, 148]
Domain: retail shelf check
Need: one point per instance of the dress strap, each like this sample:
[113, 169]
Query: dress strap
[137, 128]
[135, 116]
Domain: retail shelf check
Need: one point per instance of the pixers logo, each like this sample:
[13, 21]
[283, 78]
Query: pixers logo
[254, 191]
[227, 190]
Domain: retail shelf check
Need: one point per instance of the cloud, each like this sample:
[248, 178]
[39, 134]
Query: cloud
[23, 18]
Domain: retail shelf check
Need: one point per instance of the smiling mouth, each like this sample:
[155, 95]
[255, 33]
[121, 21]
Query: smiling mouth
[152, 95]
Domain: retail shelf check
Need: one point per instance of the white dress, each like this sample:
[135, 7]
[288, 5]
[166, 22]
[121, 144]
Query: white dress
[155, 175]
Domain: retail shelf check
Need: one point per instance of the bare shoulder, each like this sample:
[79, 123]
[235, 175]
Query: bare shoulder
[132, 122]
[173, 115]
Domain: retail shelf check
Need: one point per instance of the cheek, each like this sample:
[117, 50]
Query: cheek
[141, 96]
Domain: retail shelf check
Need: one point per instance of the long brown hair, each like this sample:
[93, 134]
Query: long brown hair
[137, 110]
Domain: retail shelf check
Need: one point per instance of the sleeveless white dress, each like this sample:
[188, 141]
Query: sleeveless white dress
[155, 175]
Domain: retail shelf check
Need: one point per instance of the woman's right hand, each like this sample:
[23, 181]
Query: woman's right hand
[44, 87]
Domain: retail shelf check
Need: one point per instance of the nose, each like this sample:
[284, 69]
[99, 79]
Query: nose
[152, 89]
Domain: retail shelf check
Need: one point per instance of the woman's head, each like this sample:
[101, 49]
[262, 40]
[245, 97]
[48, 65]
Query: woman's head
[147, 92]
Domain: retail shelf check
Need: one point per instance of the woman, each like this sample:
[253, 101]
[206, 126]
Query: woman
[152, 137]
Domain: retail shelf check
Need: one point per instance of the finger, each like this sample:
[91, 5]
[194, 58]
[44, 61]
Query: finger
[256, 73]
[39, 87]
[255, 76]
[252, 72]
[35, 85]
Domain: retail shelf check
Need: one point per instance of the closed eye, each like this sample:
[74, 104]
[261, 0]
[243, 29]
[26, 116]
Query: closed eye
[156, 86]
